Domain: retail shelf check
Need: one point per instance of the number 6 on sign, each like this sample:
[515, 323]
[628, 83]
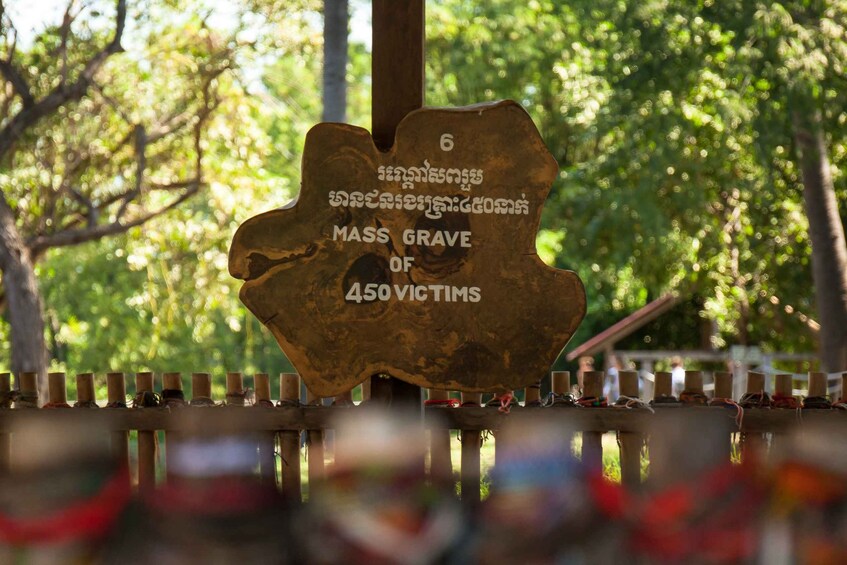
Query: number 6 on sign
[447, 142]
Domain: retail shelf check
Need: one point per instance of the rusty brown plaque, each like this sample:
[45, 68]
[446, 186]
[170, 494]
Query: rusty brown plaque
[418, 262]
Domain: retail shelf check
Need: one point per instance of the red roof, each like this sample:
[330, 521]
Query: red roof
[625, 327]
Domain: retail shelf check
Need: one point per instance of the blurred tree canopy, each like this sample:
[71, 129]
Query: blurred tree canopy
[672, 124]
[675, 124]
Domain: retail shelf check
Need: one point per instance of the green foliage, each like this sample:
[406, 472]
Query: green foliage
[670, 123]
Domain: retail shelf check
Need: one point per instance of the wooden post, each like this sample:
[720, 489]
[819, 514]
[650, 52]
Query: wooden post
[723, 385]
[755, 382]
[532, 395]
[663, 386]
[262, 386]
[723, 397]
[201, 389]
[754, 445]
[116, 398]
[267, 458]
[397, 70]
[28, 390]
[316, 466]
[235, 389]
[783, 391]
[843, 398]
[85, 397]
[560, 382]
[173, 397]
[592, 442]
[146, 441]
[57, 392]
[397, 66]
[817, 384]
[471, 444]
[290, 441]
[5, 404]
[630, 442]
[440, 458]
[172, 394]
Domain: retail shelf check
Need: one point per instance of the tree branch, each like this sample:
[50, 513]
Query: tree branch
[66, 238]
[11, 74]
[30, 115]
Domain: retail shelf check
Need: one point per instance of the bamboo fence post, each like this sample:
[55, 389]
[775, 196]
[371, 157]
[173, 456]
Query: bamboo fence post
[28, 390]
[116, 398]
[783, 398]
[172, 397]
[532, 395]
[560, 390]
[5, 404]
[57, 392]
[366, 390]
[843, 398]
[235, 394]
[755, 382]
[290, 440]
[723, 385]
[722, 397]
[315, 451]
[560, 382]
[754, 444]
[172, 393]
[817, 384]
[201, 389]
[592, 442]
[663, 386]
[440, 458]
[267, 459]
[693, 390]
[631, 442]
[146, 439]
[85, 397]
[471, 444]
[783, 391]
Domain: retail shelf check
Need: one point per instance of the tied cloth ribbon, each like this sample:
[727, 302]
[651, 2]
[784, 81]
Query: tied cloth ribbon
[147, 399]
[286, 403]
[560, 400]
[239, 397]
[693, 398]
[592, 402]
[711, 518]
[84, 520]
[665, 400]
[448, 402]
[755, 400]
[625, 401]
[54, 405]
[173, 398]
[86, 404]
[506, 400]
[264, 403]
[780, 400]
[203, 401]
[7, 397]
[816, 403]
[24, 399]
[731, 404]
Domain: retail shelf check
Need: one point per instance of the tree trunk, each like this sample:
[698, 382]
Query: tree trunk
[336, 18]
[829, 249]
[23, 301]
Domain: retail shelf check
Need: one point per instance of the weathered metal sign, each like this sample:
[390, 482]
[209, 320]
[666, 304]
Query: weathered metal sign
[419, 262]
